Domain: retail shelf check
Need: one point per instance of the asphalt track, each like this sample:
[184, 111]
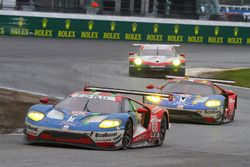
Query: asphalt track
[58, 67]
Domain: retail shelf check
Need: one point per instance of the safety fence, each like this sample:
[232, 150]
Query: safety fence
[123, 28]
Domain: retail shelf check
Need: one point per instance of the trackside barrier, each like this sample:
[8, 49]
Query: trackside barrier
[80, 26]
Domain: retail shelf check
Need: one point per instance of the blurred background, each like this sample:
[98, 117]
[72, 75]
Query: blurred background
[221, 10]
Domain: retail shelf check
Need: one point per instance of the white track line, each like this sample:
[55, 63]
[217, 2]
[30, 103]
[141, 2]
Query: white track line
[29, 92]
[238, 87]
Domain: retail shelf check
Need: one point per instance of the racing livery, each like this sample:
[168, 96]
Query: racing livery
[156, 60]
[196, 100]
[97, 118]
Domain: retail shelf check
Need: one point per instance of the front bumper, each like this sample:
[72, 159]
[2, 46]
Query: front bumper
[106, 140]
[167, 68]
[199, 116]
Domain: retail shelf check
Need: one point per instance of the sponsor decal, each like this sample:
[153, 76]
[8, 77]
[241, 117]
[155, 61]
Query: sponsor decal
[155, 119]
[66, 127]
[94, 119]
[182, 100]
[93, 96]
[216, 31]
[78, 113]
[154, 127]
[2, 31]
[31, 128]
[67, 24]
[112, 26]
[91, 25]
[44, 22]
[104, 135]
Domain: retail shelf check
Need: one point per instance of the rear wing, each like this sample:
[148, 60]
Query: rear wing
[125, 91]
[203, 79]
[156, 45]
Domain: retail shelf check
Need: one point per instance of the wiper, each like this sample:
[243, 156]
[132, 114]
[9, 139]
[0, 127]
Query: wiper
[85, 107]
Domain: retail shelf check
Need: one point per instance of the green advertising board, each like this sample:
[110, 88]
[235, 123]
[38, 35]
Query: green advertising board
[122, 30]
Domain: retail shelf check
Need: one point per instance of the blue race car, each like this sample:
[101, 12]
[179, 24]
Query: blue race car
[196, 100]
[98, 120]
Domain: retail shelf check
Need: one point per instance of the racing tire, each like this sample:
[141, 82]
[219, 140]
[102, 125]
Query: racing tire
[221, 121]
[128, 135]
[162, 133]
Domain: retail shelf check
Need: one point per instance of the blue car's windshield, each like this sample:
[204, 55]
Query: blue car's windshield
[187, 87]
[89, 105]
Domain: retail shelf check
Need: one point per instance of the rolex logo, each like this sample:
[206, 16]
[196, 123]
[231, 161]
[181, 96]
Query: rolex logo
[216, 31]
[196, 30]
[67, 24]
[90, 25]
[112, 26]
[236, 31]
[156, 28]
[20, 21]
[44, 22]
[134, 27]
[176, 29]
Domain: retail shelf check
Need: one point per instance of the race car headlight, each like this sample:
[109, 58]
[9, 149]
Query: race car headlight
[110, 123]
[35, 116]
[153, 99]
[176, 62]
[213, 103]
[138, 61]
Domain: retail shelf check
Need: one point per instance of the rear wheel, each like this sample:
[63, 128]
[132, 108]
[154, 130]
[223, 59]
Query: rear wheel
[162, 131]
[128, 134]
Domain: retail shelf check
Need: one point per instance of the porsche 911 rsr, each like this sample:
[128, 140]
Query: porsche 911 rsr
[97, 120]
[156, 60]
[196, 100]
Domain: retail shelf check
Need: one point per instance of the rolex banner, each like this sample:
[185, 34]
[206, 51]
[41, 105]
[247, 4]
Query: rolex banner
[119, 30]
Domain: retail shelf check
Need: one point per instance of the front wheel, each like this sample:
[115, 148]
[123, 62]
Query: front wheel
[128, 134]
[162, 131]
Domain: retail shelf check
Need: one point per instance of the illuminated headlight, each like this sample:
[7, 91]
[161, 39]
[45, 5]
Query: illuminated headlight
[35, 116]
[138, 61]
[213, 103]
[176, 62]
[153, 99]
[110, 123]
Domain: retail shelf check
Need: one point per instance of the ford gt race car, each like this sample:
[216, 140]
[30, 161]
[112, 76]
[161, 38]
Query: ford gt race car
[196, 100]
[157, 60]
[98, 120]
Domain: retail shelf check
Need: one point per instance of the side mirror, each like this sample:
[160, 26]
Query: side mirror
[150, 86]
[44, 100]
[142, 110]
[183, 55]
[131, 53]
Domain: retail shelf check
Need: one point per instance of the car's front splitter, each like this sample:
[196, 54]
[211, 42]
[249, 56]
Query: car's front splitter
[89, 139]
[199, 116]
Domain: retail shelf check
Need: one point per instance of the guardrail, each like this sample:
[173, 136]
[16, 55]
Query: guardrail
[80, 26]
